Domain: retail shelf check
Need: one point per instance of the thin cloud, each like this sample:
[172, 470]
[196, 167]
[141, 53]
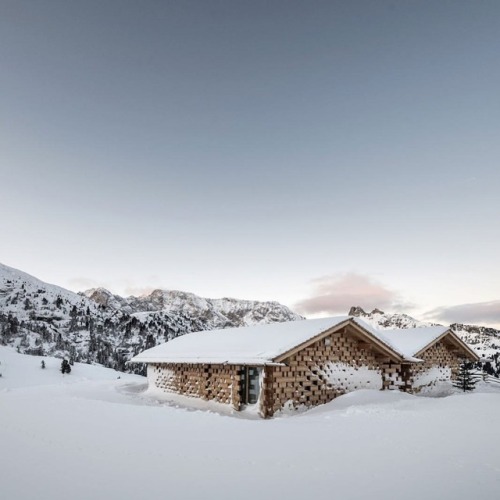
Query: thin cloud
[335, 294]
[480, 313]
[121, 287]
[140, 291]
[82, 284]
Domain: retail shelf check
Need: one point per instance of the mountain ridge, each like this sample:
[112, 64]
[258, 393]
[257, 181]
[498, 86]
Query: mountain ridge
[165, 300]
[41, 318]
[97, 326]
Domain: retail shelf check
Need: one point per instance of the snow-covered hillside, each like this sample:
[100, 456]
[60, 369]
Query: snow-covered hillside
[39, 318]
[91, 434]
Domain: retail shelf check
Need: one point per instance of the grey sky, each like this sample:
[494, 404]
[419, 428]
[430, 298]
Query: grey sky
[250, 148]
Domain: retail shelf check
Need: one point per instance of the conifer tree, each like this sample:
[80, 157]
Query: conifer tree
[466, 380]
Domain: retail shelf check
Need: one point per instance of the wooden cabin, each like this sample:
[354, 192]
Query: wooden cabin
[302, 363]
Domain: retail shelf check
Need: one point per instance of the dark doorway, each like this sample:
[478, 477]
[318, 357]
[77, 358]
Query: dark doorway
[250, 385]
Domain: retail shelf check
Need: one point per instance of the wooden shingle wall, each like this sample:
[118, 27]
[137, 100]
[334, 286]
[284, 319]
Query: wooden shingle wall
[220, 383]
[314, 375]
[392, 374]
[441, 359]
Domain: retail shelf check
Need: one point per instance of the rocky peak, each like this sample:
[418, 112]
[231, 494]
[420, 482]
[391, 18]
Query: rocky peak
[357, 311]
[99, 295]
[105, 298]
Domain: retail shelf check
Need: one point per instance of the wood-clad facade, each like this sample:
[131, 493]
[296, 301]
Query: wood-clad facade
[441, 362]
[220, 383]
[339, 360]
[336, 363]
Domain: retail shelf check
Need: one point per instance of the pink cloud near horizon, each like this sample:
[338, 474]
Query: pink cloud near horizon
[336, 294]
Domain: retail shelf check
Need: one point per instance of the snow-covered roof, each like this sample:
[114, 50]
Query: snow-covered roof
[262, 344]
[380, 335]
[251, 345]
[410, 341]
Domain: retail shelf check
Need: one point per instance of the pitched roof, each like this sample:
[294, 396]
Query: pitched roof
[262, 344]
[251, 345]
[380, 335]
[410, 341]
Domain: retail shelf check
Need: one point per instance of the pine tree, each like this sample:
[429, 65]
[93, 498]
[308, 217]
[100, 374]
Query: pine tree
[466, 380]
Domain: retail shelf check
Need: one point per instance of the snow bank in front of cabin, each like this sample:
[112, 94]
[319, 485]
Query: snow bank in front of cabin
[154, 395]
[92, 435]
[360, 400]
[290, 408]
[432, 376]
[343, 376]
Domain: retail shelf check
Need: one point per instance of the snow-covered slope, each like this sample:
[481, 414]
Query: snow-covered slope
[90, 435]
[486, 341]
[21, 294]
[40, 318]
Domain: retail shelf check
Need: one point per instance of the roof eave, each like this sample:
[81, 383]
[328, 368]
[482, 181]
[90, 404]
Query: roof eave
[205, 361]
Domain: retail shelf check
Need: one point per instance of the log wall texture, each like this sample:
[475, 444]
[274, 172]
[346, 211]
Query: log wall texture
[220, 383]
[330, 367]
[441, 364]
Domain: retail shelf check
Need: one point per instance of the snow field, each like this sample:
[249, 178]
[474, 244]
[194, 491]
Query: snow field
[91, 435]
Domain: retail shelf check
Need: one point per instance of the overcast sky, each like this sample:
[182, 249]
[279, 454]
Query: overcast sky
[321, 154]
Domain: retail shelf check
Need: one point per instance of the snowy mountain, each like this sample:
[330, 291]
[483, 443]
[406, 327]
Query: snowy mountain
[383, 320]
[484, 340]
[97, 326]
[225, 312]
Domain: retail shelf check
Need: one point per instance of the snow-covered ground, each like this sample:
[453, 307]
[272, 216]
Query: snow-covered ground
[92, 435]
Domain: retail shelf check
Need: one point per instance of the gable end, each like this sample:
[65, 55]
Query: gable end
[365, 336]
[456, 341]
